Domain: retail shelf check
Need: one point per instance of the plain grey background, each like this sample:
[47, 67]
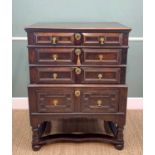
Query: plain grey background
[27, 12]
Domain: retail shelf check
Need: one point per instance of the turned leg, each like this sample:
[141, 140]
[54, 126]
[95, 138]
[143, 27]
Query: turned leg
[48, 126]
[45, 128]
[119, 137]
[107, 127]
[35, 138]
[110, 127]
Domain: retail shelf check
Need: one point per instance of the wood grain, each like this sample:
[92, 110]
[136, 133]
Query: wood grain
[22, 138]
[106, 104]
[82, 25]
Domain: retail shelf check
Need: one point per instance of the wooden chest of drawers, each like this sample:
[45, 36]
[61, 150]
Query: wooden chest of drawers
[77, 70]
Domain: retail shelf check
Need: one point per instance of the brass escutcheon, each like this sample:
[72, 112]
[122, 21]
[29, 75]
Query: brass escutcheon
[55, 75]
[78, 70]
[55, 57]
[77, 93]
[77, 36]
[102, 39]
[100, 76]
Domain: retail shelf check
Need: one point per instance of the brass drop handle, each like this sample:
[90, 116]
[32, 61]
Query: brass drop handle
[55, 102]
[55, 75]
[78, 52]
[102, 40]
[55, 57]
[77, 36]
[53, 40]
[77, 93]
[78, 70]
[100, 56]
[100, 76]
[99, 103]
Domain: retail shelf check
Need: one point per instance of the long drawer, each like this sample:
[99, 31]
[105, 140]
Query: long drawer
[73, 56]
[77, 98]
[96, 75]
[78, 38]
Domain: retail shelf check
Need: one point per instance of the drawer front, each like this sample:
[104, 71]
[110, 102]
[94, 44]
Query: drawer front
[99, 100]
[54, 56]
[53, 38]
[103, 75]
[102, 56]
[102, 38]
[75, 38]
[52, 100]
[77, 98]
[52, 75]
[88, 75]
[70, 56]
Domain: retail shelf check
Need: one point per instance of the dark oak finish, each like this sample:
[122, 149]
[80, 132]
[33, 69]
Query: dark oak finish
[52, 75]
[108, 39]
[48, 74]
[77, 70]
[53, 38]
[52, 56]
[67, 56]
[103, 75]
[67, 101]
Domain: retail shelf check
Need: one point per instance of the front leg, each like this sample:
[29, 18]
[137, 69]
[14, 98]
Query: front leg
[35, 138]
[48, 127]
[45, 128]
[107, 127]
[110, 127]
[119, 137]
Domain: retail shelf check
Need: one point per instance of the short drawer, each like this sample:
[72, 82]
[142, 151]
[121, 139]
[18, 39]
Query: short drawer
[53, 38]
[103, 38]
[52, 75]
[103, 75]
[102, 56]
[54, 56]
[51, 99]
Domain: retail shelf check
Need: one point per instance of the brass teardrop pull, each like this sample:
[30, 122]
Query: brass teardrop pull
[55, 75]
[55, 57]
[101, 40]
[78, 52]
[55, 102]
[53, 40]
[100, 76]
[100, 56]
[99, 103]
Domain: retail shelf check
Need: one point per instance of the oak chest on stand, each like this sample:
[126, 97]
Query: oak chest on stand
[77, 70]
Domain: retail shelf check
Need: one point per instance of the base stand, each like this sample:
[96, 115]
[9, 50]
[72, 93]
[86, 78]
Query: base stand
[113, 134]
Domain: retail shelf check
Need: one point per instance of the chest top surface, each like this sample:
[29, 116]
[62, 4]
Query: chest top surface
[79, 26]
